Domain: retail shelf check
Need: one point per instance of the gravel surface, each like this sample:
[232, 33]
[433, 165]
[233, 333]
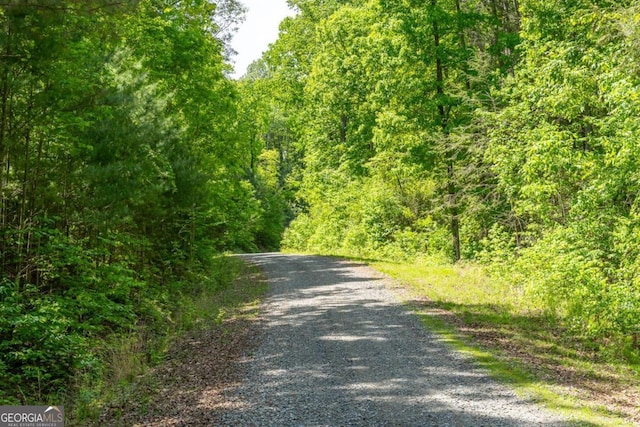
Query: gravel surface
[338, 349]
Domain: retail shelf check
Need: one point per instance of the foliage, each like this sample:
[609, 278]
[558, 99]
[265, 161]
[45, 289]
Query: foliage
[498, 131]
[122, 174]
[560, 152]
[226, 289]
[368, 219]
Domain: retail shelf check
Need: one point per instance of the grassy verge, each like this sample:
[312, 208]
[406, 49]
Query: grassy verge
[485, 318]
[232, 293]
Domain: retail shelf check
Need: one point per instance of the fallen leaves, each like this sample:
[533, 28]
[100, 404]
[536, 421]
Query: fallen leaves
[189, 387]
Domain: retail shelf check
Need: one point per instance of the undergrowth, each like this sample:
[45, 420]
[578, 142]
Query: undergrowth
[122, 358]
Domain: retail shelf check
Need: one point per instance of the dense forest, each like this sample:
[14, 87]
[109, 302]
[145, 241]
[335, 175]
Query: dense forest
[499, 132]
[125, 167]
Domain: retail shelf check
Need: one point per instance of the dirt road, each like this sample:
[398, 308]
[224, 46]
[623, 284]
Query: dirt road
[338, 349]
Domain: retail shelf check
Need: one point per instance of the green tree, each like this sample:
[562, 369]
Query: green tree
[562, 150]
[393, 91]
[121, 173]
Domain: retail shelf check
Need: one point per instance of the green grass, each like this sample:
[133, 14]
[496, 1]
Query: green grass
[491, 321]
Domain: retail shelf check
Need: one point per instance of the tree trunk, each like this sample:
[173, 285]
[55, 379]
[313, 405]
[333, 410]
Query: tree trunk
[4, 114]
[443, 111]
[454, 224]
[343, 128]
[463, 41]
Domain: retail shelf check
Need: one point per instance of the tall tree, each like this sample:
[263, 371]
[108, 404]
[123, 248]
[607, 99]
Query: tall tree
[562, 150]
[120, 172]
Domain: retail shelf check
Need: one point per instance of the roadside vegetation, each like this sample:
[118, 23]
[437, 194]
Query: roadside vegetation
[594, 382]
[125, 172]
[213, 327]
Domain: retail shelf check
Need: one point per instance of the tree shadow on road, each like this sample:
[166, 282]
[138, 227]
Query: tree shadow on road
[337, 350]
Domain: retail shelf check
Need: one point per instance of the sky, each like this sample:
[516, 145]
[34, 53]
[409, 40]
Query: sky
[259, 29]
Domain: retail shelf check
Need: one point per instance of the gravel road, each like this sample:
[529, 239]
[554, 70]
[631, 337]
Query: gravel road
[338, 349]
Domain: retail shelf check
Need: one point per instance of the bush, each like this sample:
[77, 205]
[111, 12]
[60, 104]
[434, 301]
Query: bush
[42, 344]
[566, 277]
